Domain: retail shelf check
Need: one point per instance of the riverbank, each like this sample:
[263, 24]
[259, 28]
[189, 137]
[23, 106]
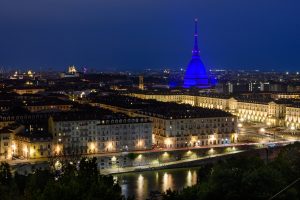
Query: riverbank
[171, 165]
[263, 152]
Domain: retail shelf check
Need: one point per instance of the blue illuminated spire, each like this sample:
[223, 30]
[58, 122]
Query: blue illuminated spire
[195, 74]
[196, 51]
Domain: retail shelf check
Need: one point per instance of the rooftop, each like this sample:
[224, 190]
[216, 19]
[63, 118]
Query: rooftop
[161, 109]
[93, 113]
[36, 136]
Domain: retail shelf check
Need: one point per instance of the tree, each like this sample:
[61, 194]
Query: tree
[5, 173]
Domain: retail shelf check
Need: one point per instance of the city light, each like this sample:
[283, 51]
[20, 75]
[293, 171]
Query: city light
[211, 151]
[57, 149]
[262, 130]
[168, 142]
[165, 154]
[25, 150]
[13, 146]
[58, 165]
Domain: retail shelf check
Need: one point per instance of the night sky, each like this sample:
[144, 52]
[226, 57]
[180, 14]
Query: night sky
[138, 34]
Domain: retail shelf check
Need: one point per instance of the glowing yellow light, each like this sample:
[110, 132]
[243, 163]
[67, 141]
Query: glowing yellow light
[57, 149]
[114, 159]
[57, 165]
[165, 154]
[93, 146]
[168, 142]
[25, 150]
[211, 151]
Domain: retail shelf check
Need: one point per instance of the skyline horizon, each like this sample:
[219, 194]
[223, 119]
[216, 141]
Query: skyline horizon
[7, 69]
[128, 36]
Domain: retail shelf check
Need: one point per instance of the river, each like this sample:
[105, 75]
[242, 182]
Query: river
[140, 184]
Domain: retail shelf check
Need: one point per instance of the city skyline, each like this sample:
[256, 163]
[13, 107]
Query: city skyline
[127, 36]
[156, 100]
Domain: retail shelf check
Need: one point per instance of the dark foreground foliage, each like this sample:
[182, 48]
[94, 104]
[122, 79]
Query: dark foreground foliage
[73, 181]
[246, 178]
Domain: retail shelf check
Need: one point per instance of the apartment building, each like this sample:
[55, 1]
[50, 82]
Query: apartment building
[99, 132]
[263, 110]
[177, 125]
[292, 117]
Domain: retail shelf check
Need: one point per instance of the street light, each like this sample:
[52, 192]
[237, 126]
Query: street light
[293, 130]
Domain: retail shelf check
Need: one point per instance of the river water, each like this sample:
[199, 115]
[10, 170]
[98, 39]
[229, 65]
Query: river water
[140, 184]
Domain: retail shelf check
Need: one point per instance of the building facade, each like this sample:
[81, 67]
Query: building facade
[272, 112]
[292, 117]
[33, 145]
[178, 126]
[93, 134]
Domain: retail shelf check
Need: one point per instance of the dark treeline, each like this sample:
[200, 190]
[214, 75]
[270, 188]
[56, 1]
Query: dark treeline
[246, 178]
[73, 181]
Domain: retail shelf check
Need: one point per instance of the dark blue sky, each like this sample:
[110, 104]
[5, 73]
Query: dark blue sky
[136, 34]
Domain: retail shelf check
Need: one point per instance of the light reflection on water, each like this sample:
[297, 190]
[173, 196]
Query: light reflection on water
[140, 184]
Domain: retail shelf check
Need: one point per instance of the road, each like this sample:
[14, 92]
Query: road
[262, 133]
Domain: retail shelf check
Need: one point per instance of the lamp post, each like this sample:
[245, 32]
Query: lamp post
[239, 126]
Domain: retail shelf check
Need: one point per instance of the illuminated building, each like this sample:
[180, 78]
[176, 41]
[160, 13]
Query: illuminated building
[33, 145]
[83, 133]
[28, 90]
[72, 69]
[175, 125]
[274, 112]
[7, 145]
[292, 117]
[195, 75]
[141, 82]
[72, 72]
[29, 75]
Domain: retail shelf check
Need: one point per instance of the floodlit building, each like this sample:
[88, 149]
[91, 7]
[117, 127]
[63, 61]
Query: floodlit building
[270, 111]
[7, 146]
[175, 125]
[99, 132]
[28, 90]
[292, 116]
[33, 145]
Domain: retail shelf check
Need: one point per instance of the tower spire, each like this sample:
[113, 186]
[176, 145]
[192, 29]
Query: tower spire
[196, 49]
